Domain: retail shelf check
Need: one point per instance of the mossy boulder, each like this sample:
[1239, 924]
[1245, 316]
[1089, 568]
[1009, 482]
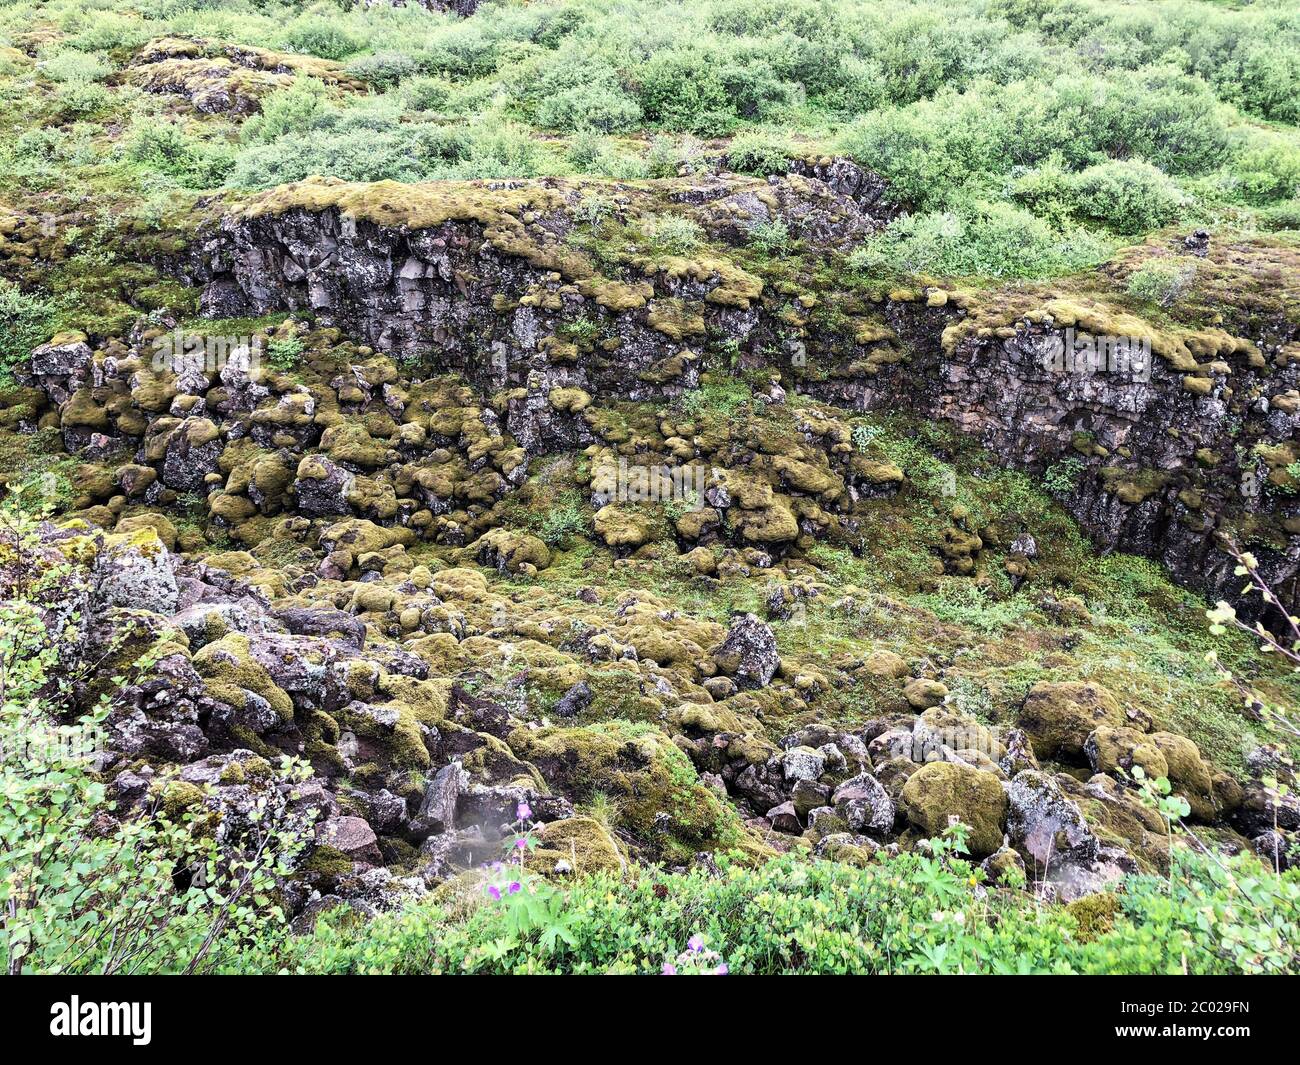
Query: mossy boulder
[922, 694]
[234, 678]
[1188, 773]
[622, 527]
[1117, 750]
[942, 790]
[511, 551]
[654, 787]
[577, 846]
[1059, 716]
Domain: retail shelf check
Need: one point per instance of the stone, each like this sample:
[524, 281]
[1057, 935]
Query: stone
[352, 837]
[784, 819]
[802, 763]
[574, 701]
[865, 805]
[437, 811]
[1118, 750]
[1060, 716]
[749, 652]
[1045, 826]
[807, 795]
[941, 791]
[922, 693]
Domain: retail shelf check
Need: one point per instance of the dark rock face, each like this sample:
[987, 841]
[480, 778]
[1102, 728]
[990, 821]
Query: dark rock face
[1157, 469]
[750, 652]
[843, 176]
[1153, 459]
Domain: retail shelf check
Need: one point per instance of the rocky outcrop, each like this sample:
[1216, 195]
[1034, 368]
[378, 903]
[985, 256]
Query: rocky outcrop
[1163, 455]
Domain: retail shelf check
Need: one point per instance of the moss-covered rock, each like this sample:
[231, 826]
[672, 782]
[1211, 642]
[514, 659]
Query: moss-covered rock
[942, 790]
[1060, 716]
[653, 785]
[576, 846]
[1118, 750]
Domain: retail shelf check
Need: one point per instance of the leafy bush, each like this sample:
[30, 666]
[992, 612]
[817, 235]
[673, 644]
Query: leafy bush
[321, 36]
[671, 234]
[915, 912]
[669, 157]
[384, 70]
[597, 106]
[426, 93]
[680, 89]
[76, 67]
[354, 153]
[24, 323]
[1162, 281]
[291, 110]
[1061, 478]
[759, 153]
[283, 352]
[1268, 170]
[1126, 196]
[992, 239]
[561, 521]
[80, 99]
[169, 149]
[1282, 215]
[771, 238]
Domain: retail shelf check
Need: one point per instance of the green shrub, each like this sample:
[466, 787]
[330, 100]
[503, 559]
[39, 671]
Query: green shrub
[1268, 170]
[680, 89]
[978, 238]
[384, 70]
[771, 238]
[1062, 478]
[25, 322]
[291, 110]
[1126, 196]
[426, 93]
[759, 153]
[283, 352]
[561, 521]
[912, 913]
[1282, 215]
[358, 153]
[1162, 281]
[671, 234]
[76, 67]
[81, 99]
[321, 36]
[169, 149]
[597, 106]
[669, 157]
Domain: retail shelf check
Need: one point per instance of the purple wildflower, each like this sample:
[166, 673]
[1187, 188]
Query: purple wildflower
[521, 843]
[523, 811]
[494, 891]
[722, 970]
[695, 944]
[514, 886]
[669, 969]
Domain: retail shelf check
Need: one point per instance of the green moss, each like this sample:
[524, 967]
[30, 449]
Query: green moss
[643, 773]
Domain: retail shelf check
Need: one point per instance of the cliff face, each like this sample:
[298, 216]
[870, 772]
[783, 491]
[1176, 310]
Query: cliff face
[1194, 438]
